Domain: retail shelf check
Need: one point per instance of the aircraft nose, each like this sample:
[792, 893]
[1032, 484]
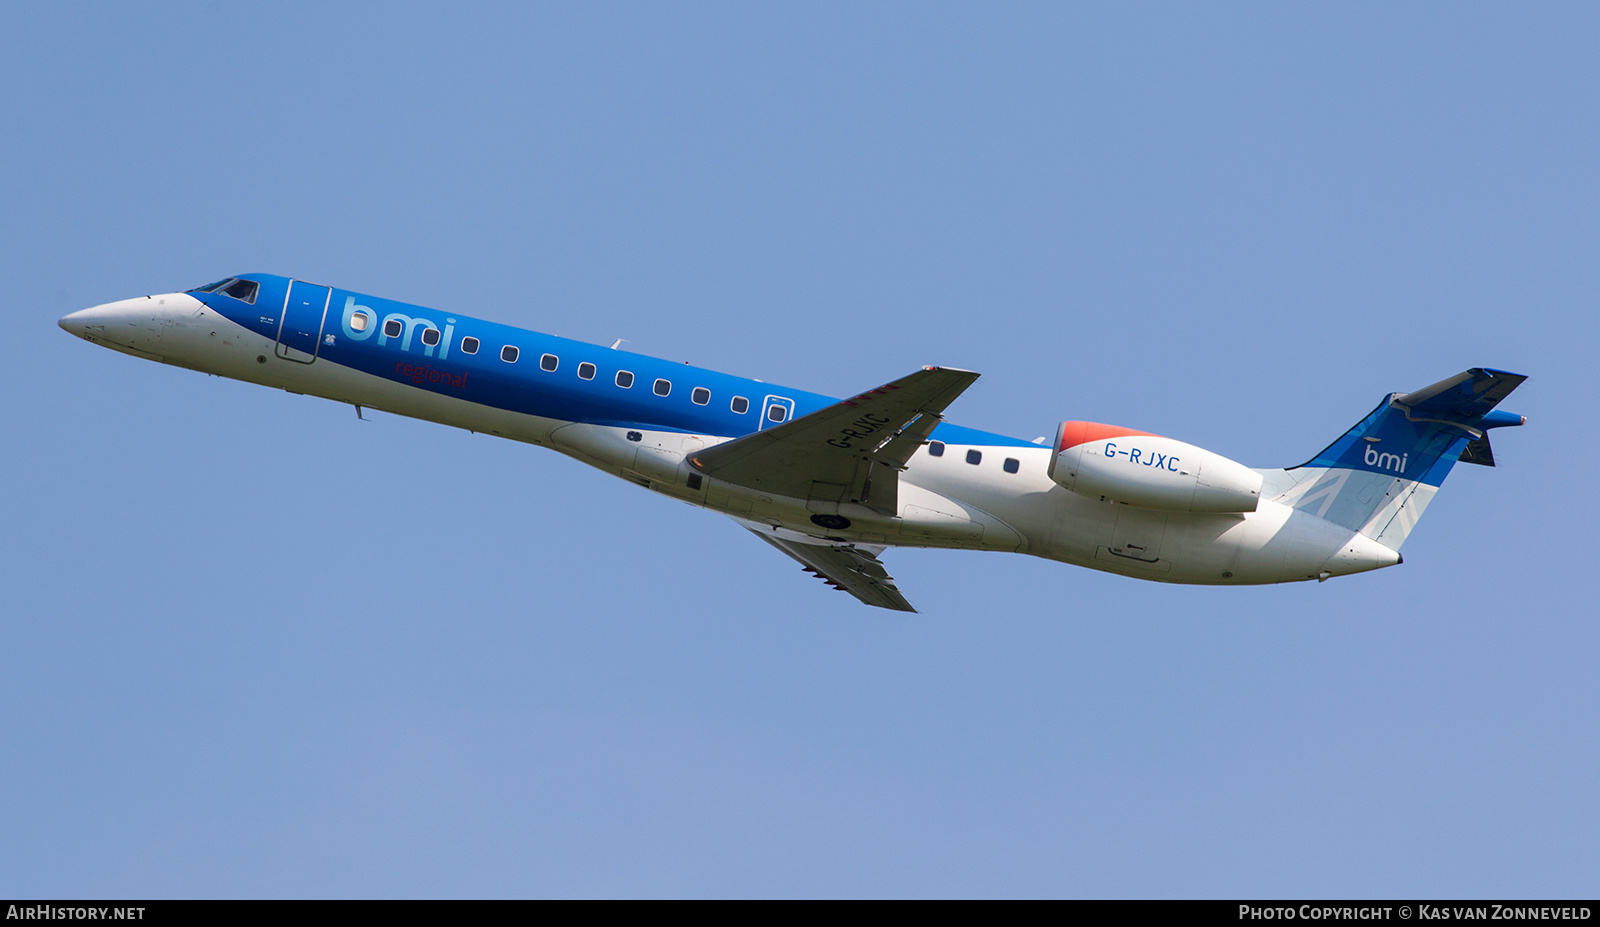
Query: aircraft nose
[132, 326]
[80, 322]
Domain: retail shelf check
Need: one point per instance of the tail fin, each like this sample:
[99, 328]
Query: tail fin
[1379, 477]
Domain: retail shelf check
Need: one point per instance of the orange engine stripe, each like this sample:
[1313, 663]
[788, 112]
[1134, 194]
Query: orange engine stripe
[1076, 433]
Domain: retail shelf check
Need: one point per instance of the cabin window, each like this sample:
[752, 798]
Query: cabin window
[740, 405]
[935, 448]
[586, 371]
[974, 457]
[624, 379]
[549, 362]
[392, 328]
[701, 395]
[1011, 465]
[663, 387]
[359, 321]
[509, 354]
[242, 290]
[430, 337]
[777, 412]
[469, 345]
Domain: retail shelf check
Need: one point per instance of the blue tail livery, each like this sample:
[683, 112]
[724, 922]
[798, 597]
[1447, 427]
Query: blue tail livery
[1379, 477]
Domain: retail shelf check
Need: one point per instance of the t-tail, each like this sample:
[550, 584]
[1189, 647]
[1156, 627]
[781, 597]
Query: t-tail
[1380, 476]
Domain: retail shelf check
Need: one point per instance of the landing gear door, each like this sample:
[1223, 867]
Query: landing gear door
[776, 410]
[304, 311]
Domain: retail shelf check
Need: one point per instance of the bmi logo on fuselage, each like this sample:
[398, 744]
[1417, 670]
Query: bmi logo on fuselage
[360, 323]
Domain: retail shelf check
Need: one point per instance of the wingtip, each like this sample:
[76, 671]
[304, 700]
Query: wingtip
[937, 368]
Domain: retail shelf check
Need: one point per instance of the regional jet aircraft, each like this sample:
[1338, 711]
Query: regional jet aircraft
[832, 483]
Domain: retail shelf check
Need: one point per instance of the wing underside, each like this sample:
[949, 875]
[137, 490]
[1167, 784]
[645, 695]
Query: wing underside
[852, 569]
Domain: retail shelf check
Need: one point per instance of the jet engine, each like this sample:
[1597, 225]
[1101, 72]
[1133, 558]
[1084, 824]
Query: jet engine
[1122, 465]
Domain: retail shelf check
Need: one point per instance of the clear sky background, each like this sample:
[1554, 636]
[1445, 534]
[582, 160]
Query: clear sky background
[252, 646]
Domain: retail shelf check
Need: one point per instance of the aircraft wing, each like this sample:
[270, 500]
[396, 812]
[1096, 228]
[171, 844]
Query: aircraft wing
[846, 567]
[851, 451]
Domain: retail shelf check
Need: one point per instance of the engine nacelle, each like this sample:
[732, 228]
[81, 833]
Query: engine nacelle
[1123, 465]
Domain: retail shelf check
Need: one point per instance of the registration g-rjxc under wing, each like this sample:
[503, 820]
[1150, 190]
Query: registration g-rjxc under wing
[834, 483]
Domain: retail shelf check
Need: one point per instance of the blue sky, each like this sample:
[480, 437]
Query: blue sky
[254, 647]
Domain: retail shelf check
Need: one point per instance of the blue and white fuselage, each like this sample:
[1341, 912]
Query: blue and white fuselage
[832, 483]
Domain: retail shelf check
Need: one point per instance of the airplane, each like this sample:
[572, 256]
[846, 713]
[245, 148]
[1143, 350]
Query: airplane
[834, 483]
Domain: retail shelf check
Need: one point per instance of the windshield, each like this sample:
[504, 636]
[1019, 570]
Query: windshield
[212, 287]
[242, 290]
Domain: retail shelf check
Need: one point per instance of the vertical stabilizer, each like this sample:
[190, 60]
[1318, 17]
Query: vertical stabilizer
[1379, 477]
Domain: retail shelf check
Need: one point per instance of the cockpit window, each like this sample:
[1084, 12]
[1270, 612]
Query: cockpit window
[242, 290]
[213, 287]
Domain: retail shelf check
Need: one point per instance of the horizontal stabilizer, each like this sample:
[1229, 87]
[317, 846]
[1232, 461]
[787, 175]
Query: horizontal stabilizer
[1465, 396]
[1478, 452]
